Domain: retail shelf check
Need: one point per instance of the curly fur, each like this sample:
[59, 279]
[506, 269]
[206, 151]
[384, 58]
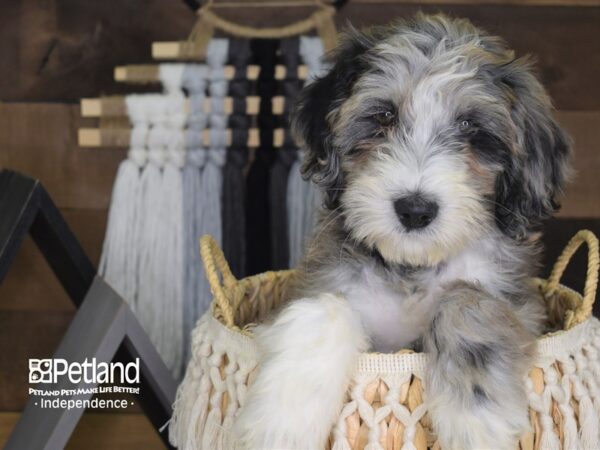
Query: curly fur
[469, 128]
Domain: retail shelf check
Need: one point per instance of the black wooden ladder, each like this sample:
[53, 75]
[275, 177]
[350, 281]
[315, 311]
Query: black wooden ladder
[104, 327]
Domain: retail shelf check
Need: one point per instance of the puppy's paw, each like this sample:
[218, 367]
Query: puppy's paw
[479, 355]
[489, 425]
[275, 423]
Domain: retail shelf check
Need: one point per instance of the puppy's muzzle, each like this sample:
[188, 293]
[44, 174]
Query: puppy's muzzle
[415, 211]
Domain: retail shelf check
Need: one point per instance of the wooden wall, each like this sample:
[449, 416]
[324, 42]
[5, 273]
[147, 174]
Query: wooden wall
[54, 52]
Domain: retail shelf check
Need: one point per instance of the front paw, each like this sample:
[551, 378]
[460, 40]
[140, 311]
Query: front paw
[489, 425]
[262, 426]
[479, 355]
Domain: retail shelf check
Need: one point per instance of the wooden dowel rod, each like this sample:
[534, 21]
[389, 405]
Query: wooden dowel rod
[116, 106]
[149, 73]
[119, 138]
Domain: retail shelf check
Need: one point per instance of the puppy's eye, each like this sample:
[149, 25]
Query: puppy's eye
[384, 118]
[465, 125]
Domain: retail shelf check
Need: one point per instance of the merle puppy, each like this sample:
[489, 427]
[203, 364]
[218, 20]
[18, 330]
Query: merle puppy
[438, 156]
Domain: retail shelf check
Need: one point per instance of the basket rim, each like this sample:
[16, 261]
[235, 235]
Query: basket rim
[549, 345]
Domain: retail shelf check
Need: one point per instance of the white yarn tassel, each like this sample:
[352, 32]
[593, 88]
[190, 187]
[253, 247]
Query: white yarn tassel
[171, 76]
[148, 225]
[160, 309]
[118, 263]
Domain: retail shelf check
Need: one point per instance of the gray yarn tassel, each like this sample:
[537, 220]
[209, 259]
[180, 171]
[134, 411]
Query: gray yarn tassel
[303, 198]
[192, 192]
[194, 80]
[212, 183]
[210, 194]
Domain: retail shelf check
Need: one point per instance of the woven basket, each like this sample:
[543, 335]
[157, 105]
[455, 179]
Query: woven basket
[384, 406]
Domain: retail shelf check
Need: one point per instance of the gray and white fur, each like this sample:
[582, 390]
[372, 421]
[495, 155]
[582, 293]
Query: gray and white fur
[438, 158]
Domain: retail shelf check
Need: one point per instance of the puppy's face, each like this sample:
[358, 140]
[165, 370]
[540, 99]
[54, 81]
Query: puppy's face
[427, 135]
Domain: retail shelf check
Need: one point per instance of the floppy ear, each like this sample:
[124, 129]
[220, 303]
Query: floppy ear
[527, 189]
[315, 110]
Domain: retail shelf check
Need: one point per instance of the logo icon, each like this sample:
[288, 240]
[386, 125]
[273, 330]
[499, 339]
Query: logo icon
[40, 371]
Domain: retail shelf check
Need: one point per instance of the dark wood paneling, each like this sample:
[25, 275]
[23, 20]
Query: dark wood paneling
[24, 335]
[583, 192]
[40, 140]
[101, 432]
[75, 45]
[486, 2]
[564, 40]
[35, 334]
[31, 284]
[66, 49]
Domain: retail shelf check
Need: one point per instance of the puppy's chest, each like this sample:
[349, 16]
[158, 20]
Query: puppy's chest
[396, 310]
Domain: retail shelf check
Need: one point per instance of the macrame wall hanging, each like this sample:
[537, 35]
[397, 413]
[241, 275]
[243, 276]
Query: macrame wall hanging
[210, 154]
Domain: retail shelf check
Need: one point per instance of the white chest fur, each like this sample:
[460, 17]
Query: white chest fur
[395, 314]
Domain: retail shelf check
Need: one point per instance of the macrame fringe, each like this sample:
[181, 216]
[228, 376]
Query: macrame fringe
[212, 431]
[374, 446]
[192, 398]
[549, 439]
[341, 445]
[588, 423]
[118, 260]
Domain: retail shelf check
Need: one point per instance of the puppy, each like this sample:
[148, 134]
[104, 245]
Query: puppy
[438, 158]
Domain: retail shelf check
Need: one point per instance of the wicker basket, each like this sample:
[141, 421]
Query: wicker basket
[384, 406]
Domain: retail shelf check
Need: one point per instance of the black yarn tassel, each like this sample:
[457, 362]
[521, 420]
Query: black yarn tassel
[258, 211]
[285, 157]
[234, 186]
[233, 209]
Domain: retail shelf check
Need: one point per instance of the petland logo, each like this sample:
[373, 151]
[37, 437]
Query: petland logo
[49, 371]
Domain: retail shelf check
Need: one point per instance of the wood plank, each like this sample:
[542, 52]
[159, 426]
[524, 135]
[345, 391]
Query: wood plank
[114, 431]
[97, 431]
[563, 39]
[486, 2]
[40, 140]
[31, 284]
[76, 44]
[583, 192]
[24, 335]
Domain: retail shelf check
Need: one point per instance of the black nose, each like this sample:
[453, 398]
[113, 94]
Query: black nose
[415, 211]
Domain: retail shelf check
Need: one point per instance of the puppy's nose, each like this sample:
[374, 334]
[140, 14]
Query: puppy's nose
[415, 211]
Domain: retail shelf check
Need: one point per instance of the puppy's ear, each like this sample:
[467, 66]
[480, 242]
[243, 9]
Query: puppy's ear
[527, 189]
[315, 110]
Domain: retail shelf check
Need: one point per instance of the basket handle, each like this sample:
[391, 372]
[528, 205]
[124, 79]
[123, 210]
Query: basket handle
[584, 310]
[215, 265]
